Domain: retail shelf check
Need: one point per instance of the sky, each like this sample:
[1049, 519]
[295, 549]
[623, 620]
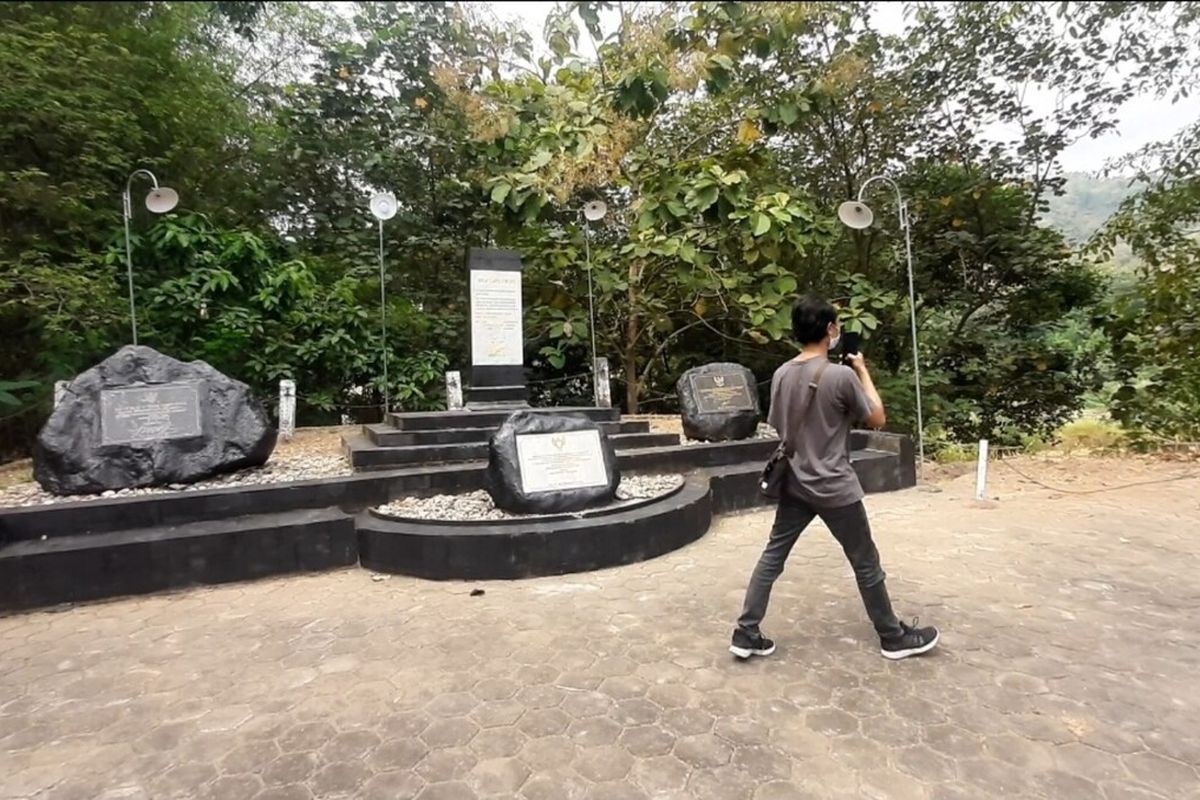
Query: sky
[1141, 121]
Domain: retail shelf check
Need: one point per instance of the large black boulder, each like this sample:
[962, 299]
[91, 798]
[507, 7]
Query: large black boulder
[569, 464]
[140, 418]
[718, 402]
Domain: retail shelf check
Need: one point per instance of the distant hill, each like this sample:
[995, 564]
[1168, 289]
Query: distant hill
[1087, 203]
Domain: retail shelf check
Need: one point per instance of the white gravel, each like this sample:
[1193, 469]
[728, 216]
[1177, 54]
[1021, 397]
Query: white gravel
[296, 468]
[764, 431]
[476, 506]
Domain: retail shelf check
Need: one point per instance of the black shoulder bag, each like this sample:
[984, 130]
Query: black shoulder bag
[774, 475]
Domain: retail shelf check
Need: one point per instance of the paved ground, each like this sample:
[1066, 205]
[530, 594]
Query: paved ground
[1069, 670]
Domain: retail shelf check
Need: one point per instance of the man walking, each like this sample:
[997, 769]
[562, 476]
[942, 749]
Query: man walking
[813, 404]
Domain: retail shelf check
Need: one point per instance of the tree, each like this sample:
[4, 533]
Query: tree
[1152, 325]
[92, 92]
[700, 229]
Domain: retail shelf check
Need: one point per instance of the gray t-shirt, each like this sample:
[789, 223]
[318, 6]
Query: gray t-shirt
[821, 451]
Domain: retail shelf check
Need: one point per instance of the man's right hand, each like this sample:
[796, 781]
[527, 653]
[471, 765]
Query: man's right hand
[878, 417]
[857, 363]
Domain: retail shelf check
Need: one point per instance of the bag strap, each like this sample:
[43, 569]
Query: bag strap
[809, 399]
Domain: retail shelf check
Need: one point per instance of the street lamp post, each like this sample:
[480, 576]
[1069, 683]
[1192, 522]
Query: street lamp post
[593, 211]
[857, 215]
[160, 200]
[383, 207]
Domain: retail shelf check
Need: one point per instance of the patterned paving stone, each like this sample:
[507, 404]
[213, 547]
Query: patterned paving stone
[400, 784]
[342, 777]
[594, 731]
[290, 768]
[604, 763]
[544, 722]
[498, 742]
[452, 732]
[498, 776]
[660, 776]
[441, 766]
[556, 785]
[647, 740]
[1068, 673]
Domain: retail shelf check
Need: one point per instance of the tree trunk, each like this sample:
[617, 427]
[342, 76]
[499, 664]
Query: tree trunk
[632, 384]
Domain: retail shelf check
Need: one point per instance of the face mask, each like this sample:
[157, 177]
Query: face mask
[833, 343]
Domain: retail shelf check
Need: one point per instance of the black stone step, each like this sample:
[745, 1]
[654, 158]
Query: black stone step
[364, 454]
[387, 436]
[885, 465]
[439, 420]
[682, 458]
[69, 569]
[496, 394]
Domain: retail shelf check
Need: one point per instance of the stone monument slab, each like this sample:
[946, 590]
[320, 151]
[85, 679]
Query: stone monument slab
[718, 402]
[497, 329]
[140, 418]
[550, 463]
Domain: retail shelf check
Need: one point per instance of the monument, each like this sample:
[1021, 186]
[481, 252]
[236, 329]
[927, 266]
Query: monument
[550, 463]
[497, 336]
[718, 402]
[140, 418]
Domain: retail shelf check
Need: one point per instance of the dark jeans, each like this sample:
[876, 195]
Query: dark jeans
[850, 527]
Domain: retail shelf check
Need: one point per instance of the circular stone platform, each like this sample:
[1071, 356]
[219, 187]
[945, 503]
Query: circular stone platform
[530, 546]
[478, 508]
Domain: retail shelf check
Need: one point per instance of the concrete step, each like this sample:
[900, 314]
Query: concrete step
[364, 454]
[69, 569]
[387, 436]
[483, 395]
[440, 420]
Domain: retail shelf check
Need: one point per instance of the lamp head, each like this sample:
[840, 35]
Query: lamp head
[856, 215]
[384, 206]
[595, 210]
[162, 199]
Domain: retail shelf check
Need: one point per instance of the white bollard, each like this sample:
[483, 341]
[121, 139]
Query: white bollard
[454, 397]
[60, 389]
[287, 409]
[603, 388]
[981, 471]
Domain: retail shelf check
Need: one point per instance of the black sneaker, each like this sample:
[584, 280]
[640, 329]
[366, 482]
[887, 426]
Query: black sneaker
[913, 642]
[746, 644]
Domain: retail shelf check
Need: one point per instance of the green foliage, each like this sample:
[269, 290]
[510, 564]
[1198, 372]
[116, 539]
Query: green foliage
[1092, 435]
[238, 302]
[9, 391]
[92, 91]
[722, 137]
[700, 233]
[1153, 323]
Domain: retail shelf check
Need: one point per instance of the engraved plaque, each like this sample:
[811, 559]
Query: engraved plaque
[149, 413]
[551, 462]
[496, 335]
[721, 393]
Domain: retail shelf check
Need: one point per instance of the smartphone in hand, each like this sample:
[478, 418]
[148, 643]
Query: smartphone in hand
[849, 344]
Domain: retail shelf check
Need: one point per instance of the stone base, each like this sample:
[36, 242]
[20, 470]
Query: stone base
[527, 548]
[93, 549]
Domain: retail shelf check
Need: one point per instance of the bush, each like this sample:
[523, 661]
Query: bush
[1091, 435]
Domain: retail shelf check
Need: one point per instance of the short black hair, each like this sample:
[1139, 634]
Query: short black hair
[811, 318]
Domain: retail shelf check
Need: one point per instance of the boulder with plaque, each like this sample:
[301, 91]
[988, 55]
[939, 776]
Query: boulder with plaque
[140, 418]
[718, 402]
[550, 463]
